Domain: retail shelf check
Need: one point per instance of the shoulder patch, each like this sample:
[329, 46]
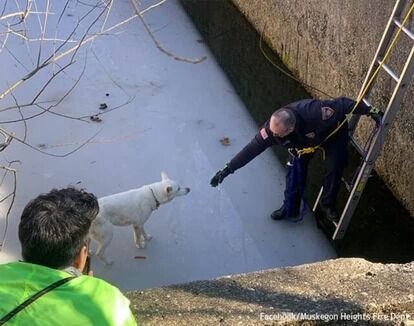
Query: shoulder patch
[310, 135]
[263, 133]
[327, 112]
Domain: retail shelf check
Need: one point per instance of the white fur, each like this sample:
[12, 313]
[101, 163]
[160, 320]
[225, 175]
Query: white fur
[132, 207]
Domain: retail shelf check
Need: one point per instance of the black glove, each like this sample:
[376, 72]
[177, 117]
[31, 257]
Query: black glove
[220, 175]
[375, 114]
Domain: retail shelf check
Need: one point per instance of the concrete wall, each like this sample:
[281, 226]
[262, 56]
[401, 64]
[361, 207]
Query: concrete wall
[329, 45]
[383, 294]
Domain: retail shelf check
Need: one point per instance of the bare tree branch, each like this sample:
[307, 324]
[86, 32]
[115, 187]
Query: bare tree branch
[12, 195]
[99, 141]
[157, 44]
[152, 7]
[7, 140]
[23, 106]
[45, 110]
[58, 53]
[53, 58]
[42, 35]
[4, 8]
[51, 154]
[21, 114]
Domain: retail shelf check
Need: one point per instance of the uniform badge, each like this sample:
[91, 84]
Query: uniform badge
[263, 133]
[327, 112]
[310, 135]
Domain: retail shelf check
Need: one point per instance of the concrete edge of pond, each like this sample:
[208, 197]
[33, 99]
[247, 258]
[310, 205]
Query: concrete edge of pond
[337, 291]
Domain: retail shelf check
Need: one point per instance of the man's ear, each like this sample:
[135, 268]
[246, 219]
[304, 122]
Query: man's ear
[164, 176]
[80, 259]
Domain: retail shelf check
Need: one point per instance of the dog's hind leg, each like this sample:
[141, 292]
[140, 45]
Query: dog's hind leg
[103, 243]
[100, 253]
[147, 236]
[140, 236]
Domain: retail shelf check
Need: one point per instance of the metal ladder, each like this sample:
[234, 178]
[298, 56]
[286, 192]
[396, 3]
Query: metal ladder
[402, 82]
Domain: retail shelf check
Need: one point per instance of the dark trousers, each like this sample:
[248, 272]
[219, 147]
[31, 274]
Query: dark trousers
[336, 159]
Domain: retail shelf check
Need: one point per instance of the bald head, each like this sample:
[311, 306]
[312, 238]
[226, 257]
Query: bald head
[282, 122]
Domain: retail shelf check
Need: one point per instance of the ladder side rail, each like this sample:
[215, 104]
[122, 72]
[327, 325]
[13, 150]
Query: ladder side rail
[382, 47]
[375, 148]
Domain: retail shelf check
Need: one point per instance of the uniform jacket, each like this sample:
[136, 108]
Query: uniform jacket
[315, 120]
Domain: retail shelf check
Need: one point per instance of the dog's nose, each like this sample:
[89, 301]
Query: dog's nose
[188, 189]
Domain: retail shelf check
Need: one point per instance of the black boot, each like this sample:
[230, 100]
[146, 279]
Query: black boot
[329, 213]
[280, 214]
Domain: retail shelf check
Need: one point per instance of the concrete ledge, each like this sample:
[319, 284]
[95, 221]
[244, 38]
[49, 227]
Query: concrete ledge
[351, 287]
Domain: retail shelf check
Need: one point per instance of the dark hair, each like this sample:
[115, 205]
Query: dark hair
[54, 226]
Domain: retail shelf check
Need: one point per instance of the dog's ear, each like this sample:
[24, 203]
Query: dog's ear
[164, 176]
[168, 189]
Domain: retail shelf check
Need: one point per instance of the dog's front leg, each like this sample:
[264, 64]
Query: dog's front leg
[139, 236]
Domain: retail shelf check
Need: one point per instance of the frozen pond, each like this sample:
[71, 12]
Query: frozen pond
[171, 118]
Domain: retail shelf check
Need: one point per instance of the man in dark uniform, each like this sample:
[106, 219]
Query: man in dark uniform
[300, 125]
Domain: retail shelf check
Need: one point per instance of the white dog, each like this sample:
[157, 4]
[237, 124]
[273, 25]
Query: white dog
[132, 207]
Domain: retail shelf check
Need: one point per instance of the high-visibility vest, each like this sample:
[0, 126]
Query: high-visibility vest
[83, 300]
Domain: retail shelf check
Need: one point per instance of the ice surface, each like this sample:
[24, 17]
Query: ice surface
[174, 123]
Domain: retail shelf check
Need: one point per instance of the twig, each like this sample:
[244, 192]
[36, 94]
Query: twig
[108, 74]
[55, 58]
[4, 8]
[24, 14]
[5, 40]
[13, 194]
[50, 154]
[107, 15]
[7, 140]
[23, 105]
[98, 141]
[21, 114]
[152, 7]
[51, 79]
[89, 39]
[17, 60]
[14, 14]
[157, 44]
[63, 11]
[109, 110]
[87, 31]
[42, 31]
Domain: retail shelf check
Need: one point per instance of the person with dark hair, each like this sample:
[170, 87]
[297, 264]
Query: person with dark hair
[304, 124]
[47, 287]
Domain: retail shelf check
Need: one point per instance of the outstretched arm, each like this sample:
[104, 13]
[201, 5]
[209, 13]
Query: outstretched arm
[261, 141]
[256, 146]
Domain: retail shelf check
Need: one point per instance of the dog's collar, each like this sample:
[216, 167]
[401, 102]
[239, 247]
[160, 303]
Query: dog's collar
[157, 203]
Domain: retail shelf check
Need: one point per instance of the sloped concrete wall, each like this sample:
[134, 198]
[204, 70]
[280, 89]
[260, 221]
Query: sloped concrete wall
[330, 45]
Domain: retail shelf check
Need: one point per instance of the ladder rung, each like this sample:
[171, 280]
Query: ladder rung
[405, 30]
[357, 146]
[389, 71]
